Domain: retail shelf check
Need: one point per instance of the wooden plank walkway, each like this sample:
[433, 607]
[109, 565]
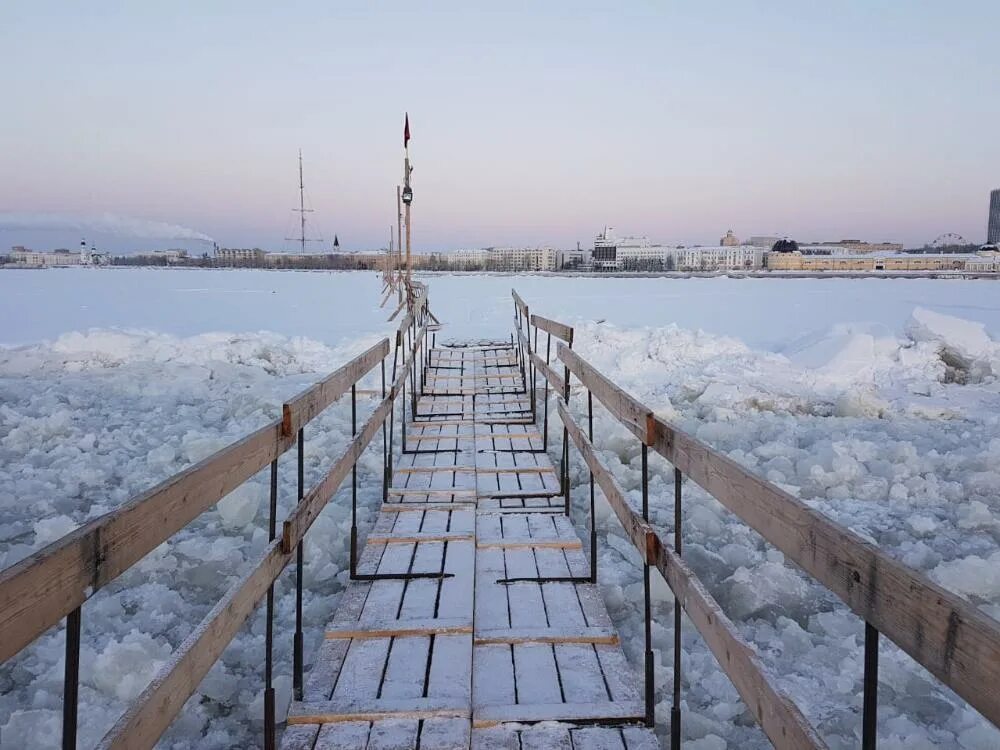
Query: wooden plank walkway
[474, 618]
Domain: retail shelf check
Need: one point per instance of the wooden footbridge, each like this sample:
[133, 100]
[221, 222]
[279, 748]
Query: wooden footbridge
[473, 618]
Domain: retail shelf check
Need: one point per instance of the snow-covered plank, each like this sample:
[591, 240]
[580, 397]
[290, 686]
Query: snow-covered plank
[445, 734]
[450, 673]
[580, 673]
[360, 676]
[400, 627]
[338, 736]
[535, 674]
[580, 634]
[492, 676]
[598, 738]
[534, 712]
[334, 711]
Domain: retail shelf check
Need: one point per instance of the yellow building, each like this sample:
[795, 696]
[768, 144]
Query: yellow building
[902, 262]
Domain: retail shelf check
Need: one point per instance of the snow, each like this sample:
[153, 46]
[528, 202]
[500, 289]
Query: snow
[875, 401]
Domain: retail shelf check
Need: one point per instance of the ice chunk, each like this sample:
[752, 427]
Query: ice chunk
[963, 342]
[240, 506]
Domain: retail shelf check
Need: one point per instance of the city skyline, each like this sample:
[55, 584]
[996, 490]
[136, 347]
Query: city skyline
[529, 128]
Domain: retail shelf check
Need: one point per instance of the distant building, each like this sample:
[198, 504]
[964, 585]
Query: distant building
[795, 261]
[523, 259]
[240, 257]
[728, 258]
[613, 253]
[22, 256]
[730, 240]
[763, 241]
[993, 227]
[858, 246]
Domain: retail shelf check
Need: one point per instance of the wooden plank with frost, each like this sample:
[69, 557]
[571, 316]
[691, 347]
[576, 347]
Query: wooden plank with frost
[41, 589]
[632, 413]
[557, 329]
[314, 399]
[333, 711]
[553, 378]
[609, 711]
[546, 635]
[151, 713]
[949, 636]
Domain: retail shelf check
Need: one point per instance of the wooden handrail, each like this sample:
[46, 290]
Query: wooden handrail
[635, 416]
[155, 708]
[302, 517]
[777, 714]
[557, 329]
[314, 399]
[519, 303]
[40, 590]
[152, 712]
[550, 375]
[950, 637]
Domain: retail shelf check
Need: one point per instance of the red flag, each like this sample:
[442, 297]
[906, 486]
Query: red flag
[406, 131]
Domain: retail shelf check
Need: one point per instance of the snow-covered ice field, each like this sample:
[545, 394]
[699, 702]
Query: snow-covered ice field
[877, 401]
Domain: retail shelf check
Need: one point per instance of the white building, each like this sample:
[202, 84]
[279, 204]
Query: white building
[466, 260]
[738, 258]
[23, 257]
[613, 253]
[523, 259]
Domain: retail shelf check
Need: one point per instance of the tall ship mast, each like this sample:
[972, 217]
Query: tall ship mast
[302, 239]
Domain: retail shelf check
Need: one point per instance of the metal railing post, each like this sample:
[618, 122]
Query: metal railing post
[675, 701]
[385, 446]
[593, 517]
[71, 679]
[297, 656]
[354, 484]
[869, 720]
[647, 599]
[269, 717]
[545, 418]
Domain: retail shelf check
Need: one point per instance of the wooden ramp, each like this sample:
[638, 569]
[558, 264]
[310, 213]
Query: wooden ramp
[472, 617]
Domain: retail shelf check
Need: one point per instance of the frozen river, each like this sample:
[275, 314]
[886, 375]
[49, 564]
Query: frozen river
[874, 400]
[332, 307]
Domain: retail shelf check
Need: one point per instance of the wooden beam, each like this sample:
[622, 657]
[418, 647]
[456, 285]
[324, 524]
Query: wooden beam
[334, 711]
[314, 399]
[617, 711]
[520, 303]
[436, 536]
[557, 329]
[303, 515]
[40, 590]
[408, 507]
[949, 636]
[554, 379]
[604, 636]
[528, 543]
[776, 713]
[635, 528]
[398, 629]
[152, 712]
[634, 415]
